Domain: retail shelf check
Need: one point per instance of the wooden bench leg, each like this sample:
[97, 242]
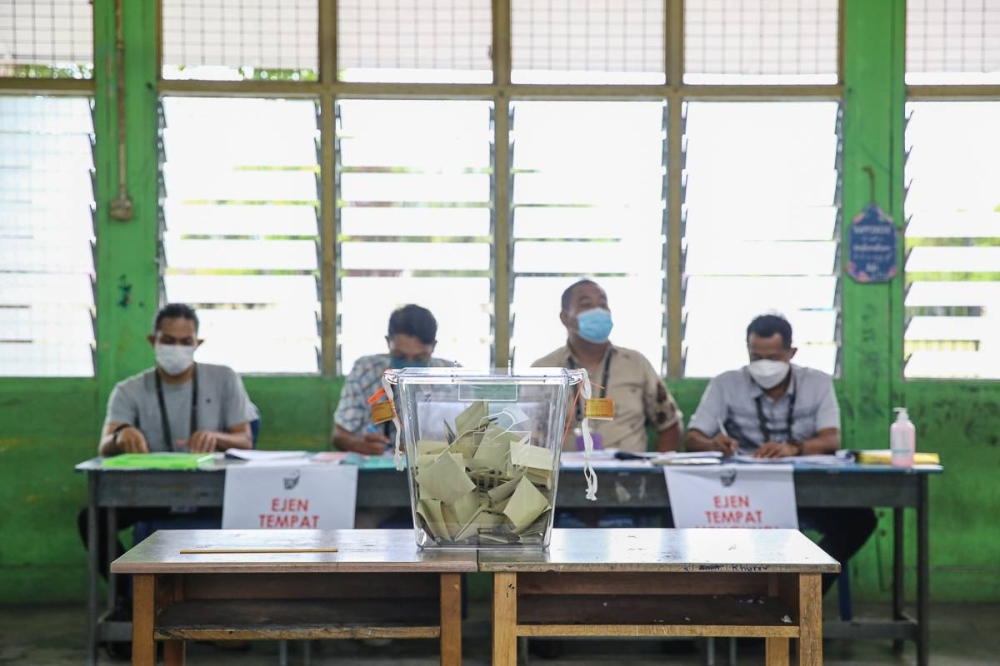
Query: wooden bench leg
[174, 653]
[451, 619]
[143, 612]
[505, 619]
[810, 620]
[777, 652]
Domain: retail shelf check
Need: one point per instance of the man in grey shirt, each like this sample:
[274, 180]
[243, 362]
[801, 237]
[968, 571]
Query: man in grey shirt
[773, 409]
[179, 405]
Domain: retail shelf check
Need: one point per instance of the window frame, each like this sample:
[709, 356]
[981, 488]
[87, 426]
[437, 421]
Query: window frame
[501, 91]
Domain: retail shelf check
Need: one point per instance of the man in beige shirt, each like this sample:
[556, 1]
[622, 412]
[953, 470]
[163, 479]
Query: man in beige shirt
[641, 399]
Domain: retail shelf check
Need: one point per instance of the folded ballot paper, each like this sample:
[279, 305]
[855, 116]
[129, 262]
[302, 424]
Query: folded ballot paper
[489, 483]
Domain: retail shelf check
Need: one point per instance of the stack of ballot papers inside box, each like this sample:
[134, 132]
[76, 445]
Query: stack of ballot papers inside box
[489, 484]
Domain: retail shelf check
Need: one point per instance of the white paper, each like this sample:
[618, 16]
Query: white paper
[254, 455]
[744, 496]
[290, 497]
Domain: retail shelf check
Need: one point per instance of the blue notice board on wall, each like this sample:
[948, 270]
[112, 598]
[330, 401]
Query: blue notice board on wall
[871, 246]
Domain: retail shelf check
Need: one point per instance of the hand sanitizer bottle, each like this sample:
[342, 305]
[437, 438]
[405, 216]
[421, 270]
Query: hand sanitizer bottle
[902, 439]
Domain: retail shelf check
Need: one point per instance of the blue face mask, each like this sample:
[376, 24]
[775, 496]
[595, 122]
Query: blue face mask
[400, 363]
[594, 325]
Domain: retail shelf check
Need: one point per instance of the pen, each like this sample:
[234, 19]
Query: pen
[722, 427]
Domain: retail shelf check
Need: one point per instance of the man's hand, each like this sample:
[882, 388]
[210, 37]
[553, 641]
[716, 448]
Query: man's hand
[372, 444]
[776, 450]
[131, 440]
[203, 441]
[726, 444]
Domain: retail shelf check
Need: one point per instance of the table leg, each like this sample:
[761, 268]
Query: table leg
[923, 574]
[898, 572]
[112, 549]
[810, 620]
[92, 569]
[777, 652]
[143, 612]
[451, 619]
[505, 619]
[174, 653]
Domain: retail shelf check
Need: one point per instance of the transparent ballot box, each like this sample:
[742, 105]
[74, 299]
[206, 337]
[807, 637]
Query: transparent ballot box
[482, 452]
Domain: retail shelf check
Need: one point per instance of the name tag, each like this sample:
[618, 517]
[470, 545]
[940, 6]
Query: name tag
[382, 412]
[601, 409]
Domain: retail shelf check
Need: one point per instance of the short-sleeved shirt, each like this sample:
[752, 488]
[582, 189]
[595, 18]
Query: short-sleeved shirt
[731, 398]
[222, 404]
[353, 412]
[641, 399]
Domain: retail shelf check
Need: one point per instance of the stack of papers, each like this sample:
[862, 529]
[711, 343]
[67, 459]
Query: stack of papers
[488, 484]
[253, 455]
[158, 460]
[884, 457]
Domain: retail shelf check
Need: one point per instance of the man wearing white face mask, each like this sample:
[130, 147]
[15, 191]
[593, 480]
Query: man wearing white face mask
[179, 405]
[624, 375]
[773, 409]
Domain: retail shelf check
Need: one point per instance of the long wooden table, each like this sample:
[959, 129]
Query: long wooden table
[627, 488]
[377, 585]
[657, 583]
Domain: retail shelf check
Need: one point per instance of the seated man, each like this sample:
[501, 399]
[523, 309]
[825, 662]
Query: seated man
[411, 341]
[641, 399]
[179, 405]
[773, 409]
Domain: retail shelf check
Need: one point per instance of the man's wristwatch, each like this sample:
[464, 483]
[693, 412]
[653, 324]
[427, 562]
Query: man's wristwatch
[799, 446]
[115, 433]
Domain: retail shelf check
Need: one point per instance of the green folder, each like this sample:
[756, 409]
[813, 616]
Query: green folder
[158, 460]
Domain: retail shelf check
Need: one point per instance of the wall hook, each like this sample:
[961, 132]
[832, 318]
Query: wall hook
[871, 182]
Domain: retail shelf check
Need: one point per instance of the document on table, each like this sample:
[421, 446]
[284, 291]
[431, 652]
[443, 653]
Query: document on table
[253, 455]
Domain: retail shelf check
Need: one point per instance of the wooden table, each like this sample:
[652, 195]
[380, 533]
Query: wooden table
[393, 590]
[623, 489]
[657, 583]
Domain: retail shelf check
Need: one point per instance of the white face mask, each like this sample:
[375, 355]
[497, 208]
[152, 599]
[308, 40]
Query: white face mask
[767, 373]
[174, 359]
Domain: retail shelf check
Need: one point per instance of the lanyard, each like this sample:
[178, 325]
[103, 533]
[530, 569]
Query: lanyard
[167, 439]
[763, 421]
[604, 380]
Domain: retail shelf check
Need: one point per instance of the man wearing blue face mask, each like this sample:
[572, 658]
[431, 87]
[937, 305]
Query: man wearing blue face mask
[773, 409]
[624, 375]
[411, 339]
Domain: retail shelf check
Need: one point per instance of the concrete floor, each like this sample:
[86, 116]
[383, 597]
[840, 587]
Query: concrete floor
[964, 635]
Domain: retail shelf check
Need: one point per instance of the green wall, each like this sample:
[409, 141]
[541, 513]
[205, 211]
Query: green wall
[46, 426]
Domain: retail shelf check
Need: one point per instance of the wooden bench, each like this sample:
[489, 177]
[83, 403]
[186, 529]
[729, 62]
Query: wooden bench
[659, 583]
[377, 585]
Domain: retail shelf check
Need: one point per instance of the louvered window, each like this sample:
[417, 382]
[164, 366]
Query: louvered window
[46, 237]
[953, 240]
[414, 207]
[761, 229]
[240, 237]
[588, 189]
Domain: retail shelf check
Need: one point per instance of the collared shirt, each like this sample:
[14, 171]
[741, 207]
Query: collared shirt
[222, 403]
[731, 398]
[641, 399]
[353, 412]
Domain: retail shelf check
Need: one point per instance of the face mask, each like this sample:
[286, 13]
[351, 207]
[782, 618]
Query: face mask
[594, 325]
[400, 363]
[174, 359]
[767, 373]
